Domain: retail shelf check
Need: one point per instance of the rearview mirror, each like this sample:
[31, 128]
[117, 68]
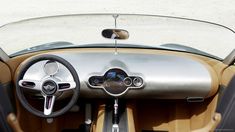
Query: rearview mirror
[115, 34]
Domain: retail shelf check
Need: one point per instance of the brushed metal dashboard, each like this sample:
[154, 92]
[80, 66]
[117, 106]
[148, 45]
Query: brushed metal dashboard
[165, 76]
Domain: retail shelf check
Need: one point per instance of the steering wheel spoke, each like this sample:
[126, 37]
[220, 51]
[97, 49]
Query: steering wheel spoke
[30, 84]
[64, 86]
[48, 104]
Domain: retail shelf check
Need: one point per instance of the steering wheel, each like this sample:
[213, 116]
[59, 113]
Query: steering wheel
[49, 87]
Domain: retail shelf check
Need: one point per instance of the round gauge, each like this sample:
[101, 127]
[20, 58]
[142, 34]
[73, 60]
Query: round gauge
[51, 67]
[114, 81]
[138, 82]
[128, 81]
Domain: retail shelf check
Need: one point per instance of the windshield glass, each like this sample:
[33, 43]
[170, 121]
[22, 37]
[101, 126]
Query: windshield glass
[144, 31]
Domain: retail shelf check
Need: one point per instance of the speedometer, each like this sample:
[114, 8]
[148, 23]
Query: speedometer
[114, 81]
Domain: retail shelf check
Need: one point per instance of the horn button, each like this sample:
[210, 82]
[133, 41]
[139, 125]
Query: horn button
[49, 87]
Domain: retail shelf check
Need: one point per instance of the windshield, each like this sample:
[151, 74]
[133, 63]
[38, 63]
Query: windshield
[144, 31]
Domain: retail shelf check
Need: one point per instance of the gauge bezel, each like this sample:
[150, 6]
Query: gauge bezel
[131, 81]
[45, 70]
[135, 84]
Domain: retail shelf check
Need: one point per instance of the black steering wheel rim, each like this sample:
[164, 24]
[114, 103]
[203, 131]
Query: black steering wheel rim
[24, 67]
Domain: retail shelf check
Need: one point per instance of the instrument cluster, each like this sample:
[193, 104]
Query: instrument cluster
[115, 82]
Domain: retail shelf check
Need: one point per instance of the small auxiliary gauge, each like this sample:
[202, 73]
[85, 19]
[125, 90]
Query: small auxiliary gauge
[51, 68]
[138, 81]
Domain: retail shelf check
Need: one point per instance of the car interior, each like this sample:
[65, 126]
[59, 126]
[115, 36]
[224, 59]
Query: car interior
[116, 88]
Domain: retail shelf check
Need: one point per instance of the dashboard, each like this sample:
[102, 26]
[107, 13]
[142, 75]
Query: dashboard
[132, 75]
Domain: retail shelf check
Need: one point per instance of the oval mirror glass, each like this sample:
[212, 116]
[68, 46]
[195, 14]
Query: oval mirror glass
[115, 34]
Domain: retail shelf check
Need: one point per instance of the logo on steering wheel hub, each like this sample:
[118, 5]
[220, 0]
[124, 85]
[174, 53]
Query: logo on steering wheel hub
[49, 87]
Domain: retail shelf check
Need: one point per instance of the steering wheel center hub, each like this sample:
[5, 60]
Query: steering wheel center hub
[49, 87]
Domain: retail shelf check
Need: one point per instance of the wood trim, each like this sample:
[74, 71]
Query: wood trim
[14, 123]
[227, 76]
[5, 73]
[130, 117]
[211, 126]
[100, 118]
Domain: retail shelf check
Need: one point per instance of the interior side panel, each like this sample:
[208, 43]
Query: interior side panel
[227, 76]
[226, 105]
[6, 94]
[5, 73]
